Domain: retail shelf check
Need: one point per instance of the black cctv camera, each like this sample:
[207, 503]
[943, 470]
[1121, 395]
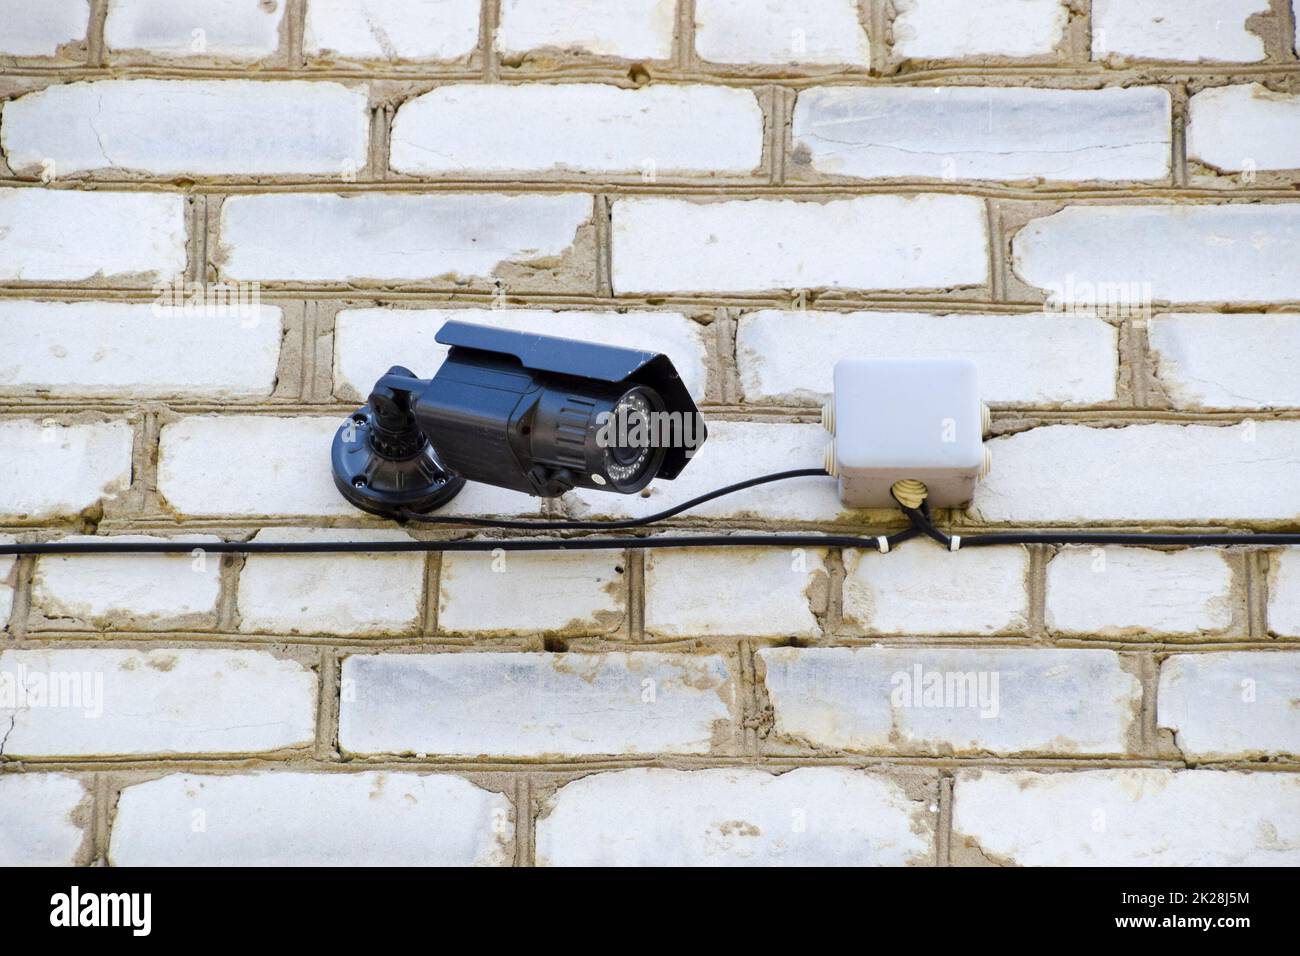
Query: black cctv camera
[531, 413]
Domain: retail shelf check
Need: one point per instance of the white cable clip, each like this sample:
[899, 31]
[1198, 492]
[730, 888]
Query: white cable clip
[954, 543]
[883, 543]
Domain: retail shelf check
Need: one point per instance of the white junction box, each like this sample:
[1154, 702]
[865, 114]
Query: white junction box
[895, 419]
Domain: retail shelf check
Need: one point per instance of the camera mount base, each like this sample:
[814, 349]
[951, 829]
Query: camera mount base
[384, 485]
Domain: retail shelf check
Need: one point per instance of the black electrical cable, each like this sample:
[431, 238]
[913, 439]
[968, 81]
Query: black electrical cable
[921, 521]
[920, 518]
[616, 525]
[475, 544]
[881, 543]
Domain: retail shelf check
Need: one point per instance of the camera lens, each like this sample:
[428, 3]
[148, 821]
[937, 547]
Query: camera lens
[633, 449]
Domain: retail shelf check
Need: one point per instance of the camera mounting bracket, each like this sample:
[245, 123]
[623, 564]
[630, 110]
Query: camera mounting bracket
[382, 462]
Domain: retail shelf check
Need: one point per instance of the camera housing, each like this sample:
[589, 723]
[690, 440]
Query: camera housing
[533, 413]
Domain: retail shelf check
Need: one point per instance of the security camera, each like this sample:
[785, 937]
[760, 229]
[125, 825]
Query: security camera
[532, 413]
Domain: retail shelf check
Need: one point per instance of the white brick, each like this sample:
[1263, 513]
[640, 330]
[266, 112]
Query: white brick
[684, 592]
[392, 29]
[527, 593]
[311, 819]
[534, 705]
[1031, 359]
[39, 29]
[128, 591]
[230, 29]
[1069, 473]
[1232, 705]
[8, 580]
[1227, 361]
[1009, 133]
[120, 349]
[377, 594]
[1128, 818]
[323, 237]
[66, 236]
[580, 127]
[628, 29]
[943, 29]
[104, 702]
[249, 466]
[734, 452]
[202, 127]
[919, 588]
[1284, 593]
[928, 700]
[884, 242]
[781, 31]
[46, 819]
[51, 470]
[1136, 592]
[368, 341]
[205, 463]
[1237, 128]
[1242, 253]
[828, 816]
[1181, 30]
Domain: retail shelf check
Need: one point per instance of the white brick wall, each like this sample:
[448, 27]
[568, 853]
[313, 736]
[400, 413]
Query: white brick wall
[933, 29]
[1176, 29]
[919, 588]
[1236, 128]
[367, 342]
[629, 29]
[485, 593]
[139, 237]
[230, 29]
[1136, 592]
[989, 133]
[322, 237]
[887, 242]
[583, 127]
[1035, 359]
[1231, 706]
[299, 819]
[45, 821]
[375, 594]
[54, 470]
[807, 817]
[1186, 253]
[1127, 818]
[1092, 202]
[781, 32]
[1227, 361]
[128, 350]
[96, 702]
[144, 591]
[40, 29]
[782, 589]
[392, 30]
[1075, 473]
[558, 704]
[959, 701]
[167, 127]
